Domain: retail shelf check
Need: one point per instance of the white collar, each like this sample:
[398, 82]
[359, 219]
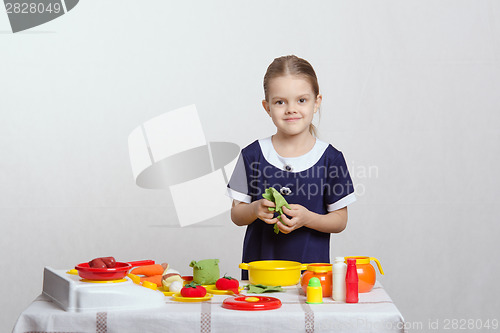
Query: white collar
[297, 164]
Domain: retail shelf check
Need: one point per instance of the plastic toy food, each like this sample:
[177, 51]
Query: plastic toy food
[205, 271]
[227, 283]
[103, 262]
[193, 290]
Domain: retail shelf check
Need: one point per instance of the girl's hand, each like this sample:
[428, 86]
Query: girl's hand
[261, 210]
[300, 216]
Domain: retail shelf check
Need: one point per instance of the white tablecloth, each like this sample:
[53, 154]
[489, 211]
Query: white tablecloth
[375, 312]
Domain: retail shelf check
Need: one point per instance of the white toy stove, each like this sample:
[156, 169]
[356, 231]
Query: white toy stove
[72, 293]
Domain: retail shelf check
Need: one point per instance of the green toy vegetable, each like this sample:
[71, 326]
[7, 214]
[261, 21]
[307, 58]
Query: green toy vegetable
[260, 288]
[205, 271]
[273, 195]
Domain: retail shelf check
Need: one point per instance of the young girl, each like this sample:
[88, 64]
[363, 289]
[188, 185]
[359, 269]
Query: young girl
[310, 174]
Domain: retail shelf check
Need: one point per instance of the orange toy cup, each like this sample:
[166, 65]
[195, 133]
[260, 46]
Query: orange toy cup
[323, 272]
[366, 272]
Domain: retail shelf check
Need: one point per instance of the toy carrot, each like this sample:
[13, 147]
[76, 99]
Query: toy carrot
[149, 270]
[154, 278]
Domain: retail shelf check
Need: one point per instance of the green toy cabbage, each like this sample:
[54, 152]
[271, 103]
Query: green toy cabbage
[273, 195]
[205, 271]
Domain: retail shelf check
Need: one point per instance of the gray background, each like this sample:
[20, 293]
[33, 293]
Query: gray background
[411, 93]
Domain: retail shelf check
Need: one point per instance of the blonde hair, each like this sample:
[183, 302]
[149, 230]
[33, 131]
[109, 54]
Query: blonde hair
[292, 65]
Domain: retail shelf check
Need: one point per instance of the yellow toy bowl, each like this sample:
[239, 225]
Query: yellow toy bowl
[274, 272]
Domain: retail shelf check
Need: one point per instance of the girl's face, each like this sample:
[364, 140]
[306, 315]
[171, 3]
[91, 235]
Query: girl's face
[292, 104]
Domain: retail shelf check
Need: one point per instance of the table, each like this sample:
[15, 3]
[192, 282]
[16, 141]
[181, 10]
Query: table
[375, 312]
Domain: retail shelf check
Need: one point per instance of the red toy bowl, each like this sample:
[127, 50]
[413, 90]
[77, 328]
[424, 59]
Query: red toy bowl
[104, 274]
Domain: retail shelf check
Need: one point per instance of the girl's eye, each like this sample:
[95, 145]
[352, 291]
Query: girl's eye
[302, 100]
[279, 102]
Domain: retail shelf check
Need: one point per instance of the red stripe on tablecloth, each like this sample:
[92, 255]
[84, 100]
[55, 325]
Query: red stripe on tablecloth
[206, 317]
[101, 322]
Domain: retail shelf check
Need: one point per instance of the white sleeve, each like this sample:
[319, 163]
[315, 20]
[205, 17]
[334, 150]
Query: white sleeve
[237, 189]
[238, 196]
[344, 202]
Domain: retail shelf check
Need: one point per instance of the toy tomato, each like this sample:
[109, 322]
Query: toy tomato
[227, 283]
[193, 290]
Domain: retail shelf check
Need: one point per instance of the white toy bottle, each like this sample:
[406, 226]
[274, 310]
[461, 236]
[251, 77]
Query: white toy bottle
[339, 270]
